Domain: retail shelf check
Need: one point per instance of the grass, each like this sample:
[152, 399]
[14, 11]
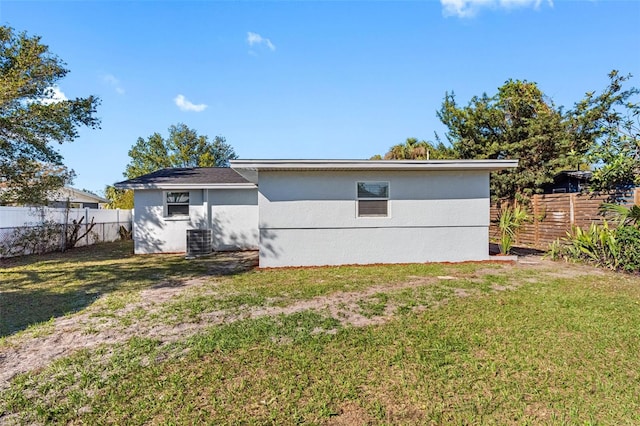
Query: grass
[38, 288]
[548, 347]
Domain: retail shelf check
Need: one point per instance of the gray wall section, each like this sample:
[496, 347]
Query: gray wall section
[234, 219]
[232, 215]
[309, 218]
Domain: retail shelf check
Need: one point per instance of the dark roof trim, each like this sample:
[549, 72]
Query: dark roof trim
[188, 178]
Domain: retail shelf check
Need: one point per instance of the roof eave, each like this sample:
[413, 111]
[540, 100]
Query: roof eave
[249, 168]
[124, 185]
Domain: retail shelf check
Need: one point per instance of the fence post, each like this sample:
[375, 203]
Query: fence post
[636, 196]
[572, 214]
[86, 225]
[536, 215]
[65, 227]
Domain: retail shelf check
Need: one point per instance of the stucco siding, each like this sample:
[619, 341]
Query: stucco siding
[234, 219]
[340, 246]
[310, 218]
[232, 214]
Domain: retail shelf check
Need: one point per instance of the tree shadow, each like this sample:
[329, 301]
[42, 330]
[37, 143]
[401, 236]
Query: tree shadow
[34, 289]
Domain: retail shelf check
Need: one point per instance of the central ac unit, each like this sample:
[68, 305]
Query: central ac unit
[198, 242]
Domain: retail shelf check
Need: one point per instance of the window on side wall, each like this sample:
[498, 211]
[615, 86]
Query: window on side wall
[177, 204]
[373, 199]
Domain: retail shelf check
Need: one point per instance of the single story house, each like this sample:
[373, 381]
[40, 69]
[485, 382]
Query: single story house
[169, 202]
[71, 197]
[76, 199]
[322, 212]
[568, 181]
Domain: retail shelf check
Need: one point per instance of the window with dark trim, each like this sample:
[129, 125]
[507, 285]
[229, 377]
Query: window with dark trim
[177, 203]
[373, 199]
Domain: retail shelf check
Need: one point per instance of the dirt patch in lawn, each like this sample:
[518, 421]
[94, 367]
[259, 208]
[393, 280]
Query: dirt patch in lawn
[89, 328]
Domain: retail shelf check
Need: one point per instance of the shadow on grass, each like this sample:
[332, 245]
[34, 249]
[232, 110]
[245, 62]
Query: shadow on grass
[37, 288]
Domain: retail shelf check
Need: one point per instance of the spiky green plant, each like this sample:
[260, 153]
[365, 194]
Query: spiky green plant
[510, 221]
[622, 214]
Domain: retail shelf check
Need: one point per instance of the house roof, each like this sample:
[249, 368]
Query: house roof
[75, 195]
[244, 173]
[249, 168]
[578, 174]
[188, 178]
[68, 193]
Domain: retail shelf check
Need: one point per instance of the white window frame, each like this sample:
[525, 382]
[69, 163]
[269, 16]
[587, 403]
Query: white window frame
[387, 199]
[181, 216]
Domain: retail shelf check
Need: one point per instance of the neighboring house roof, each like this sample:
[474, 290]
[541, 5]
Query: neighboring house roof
[186, 178]
[76, 196]
[67, 193]
[579, 174]
[568, 181]
[249, 168]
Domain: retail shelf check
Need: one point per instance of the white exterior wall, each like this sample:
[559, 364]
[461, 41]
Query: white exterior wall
[234, 219]
[232, 214]
[309, 218]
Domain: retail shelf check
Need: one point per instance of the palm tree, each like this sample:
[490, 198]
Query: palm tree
[623, 215]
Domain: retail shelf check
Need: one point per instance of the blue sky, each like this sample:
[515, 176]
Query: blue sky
[306, 79]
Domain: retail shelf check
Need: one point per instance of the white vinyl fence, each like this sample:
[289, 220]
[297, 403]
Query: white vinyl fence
[26, 230]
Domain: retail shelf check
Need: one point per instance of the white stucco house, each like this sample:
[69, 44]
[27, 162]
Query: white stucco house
[76, 199]
[322, 212]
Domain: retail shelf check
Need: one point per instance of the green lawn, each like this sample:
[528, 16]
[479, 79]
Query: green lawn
[404, 344]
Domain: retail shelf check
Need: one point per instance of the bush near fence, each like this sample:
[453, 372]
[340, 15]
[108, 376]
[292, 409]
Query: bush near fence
[44, 230]
[553, 215]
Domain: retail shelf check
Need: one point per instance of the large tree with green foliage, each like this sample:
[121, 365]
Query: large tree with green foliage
[33, 118]
[118, 198]
[183, 148]
[413, 149]
[519, 122]
[612, 120]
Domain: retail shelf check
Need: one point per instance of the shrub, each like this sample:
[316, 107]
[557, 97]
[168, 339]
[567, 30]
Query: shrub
[613, 248]
[628, 238]
[42, 238]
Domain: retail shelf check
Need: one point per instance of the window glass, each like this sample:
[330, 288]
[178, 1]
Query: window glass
[178, 197]
[373, 189]
[373, 199]
[177, 203]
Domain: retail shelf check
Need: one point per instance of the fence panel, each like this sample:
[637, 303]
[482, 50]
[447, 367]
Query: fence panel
[30, 221]
[554, 214]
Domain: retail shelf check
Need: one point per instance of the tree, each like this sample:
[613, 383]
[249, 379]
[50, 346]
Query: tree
[183, 148]
[119, 198]
[413, 149]
[612, 120]
[519, 122]
[33, 117]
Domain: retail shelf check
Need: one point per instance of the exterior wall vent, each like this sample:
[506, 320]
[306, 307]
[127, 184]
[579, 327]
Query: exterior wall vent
[198, 242]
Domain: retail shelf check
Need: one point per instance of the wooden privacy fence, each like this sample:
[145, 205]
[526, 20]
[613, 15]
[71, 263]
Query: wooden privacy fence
[554, 214]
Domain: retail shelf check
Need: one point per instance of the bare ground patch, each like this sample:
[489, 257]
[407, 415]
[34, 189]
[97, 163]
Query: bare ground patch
[89, 329]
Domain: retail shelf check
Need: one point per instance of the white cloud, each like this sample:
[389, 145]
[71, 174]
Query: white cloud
[253, 38]
[53, 95]
[469, 8]
[185, 105]
[111, 80]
